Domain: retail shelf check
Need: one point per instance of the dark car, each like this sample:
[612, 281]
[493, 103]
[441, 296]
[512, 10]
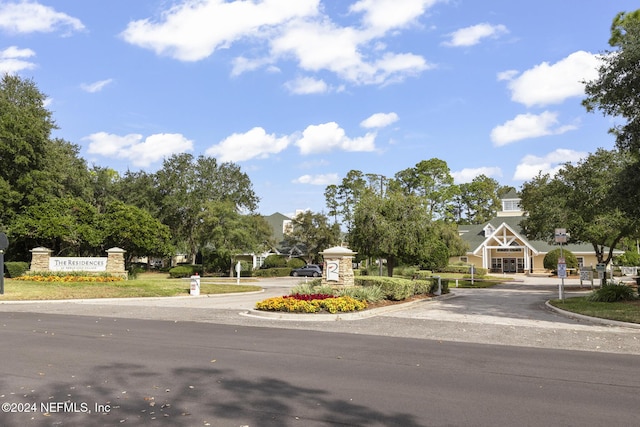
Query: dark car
[310, 270]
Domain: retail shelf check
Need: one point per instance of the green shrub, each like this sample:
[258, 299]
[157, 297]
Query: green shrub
[272, 272]
[135, 269]
[16, 268]
[394, 288]
[185, 270]
[275, 261]
[612, 292]
[551, 259]
[295, 263]
[463, 269]
[629, 258]
[368, 294]
[313, 287]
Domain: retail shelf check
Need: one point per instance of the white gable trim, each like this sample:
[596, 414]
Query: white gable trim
[501, 239]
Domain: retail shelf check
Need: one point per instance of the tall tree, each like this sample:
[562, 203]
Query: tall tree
[430, 180]
[312, 232]
[478, 200]
[134, 230]
[397, 227]
[616, 91]
[349, 192]
[581, 199]
[186, 185]
[227, 233]
[25, 129]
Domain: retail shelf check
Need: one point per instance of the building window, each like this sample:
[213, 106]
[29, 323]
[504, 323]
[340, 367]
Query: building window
[580, 261]
[464, 259]
[496, 264]
[511, 205]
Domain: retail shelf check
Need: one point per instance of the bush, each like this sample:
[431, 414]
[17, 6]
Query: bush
[551, 259]
[296, 263]
[273, 272]
[275, 261]
[368, 294]
[311, 288]
[464, 269]
[185, 270]
[393, 288]
[629, 259]
[135, 269]
[16, 268]
[612, 292]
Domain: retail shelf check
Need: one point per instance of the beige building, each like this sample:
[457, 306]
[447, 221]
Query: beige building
[500, 247]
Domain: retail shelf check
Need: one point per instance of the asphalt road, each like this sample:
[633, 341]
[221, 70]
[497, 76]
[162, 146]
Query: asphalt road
[150, 372]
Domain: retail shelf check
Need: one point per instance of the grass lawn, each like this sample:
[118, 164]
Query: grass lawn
[623, 311]
[146, 285]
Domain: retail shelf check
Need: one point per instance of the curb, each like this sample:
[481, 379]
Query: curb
[357, 315]
[597, 320]
[112, 300]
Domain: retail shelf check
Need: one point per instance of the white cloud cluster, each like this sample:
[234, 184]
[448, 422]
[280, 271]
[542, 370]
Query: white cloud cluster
[194, 29]
[134, 148]
[379, 120]
[470, 36]
[13, 60]
[255, 143]
[529, 125]
[95, 86]
[29, 17]
[329, 136]
[468, 174]
[544, 84]
[547, 84]
[321, 179]
[531, 165]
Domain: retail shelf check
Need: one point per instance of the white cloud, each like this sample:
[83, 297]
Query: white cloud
[468, 174]
[379, 120]
[298, 30]
[525, 126]
[547, 84]
[137, 150]
[96, 86]
[194, 29]
[470, 36]
[30, 17]
[324, 180]
[306, 86]
[530, 166]
[255, 143]
[329, 136]
[384, 15]
[12, 60]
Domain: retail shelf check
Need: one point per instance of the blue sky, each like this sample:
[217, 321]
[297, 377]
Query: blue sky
[299, 92]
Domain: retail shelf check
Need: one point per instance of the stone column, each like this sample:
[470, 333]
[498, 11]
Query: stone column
[115, 262]
[338, 266]
[40, 259]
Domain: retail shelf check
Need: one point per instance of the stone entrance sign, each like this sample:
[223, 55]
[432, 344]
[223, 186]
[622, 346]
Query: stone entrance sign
[338, 269]
[113, 263]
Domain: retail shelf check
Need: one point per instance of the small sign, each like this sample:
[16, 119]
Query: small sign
[561, 235]
[333, 268]
[601, 268]
[562, 271]
[586, 274]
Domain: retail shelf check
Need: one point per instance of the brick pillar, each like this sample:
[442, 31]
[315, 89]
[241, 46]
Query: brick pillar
[115, 262]
[40, 259]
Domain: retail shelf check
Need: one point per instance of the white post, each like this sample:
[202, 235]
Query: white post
[238, 270]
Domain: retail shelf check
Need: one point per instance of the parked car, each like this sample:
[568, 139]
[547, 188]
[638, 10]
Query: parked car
[309, 270]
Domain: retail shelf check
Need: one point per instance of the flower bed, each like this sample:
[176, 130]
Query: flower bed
[327, 303]
[70, 278]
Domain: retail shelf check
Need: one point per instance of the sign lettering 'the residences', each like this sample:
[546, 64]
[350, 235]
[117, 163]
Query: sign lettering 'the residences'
[77, 264]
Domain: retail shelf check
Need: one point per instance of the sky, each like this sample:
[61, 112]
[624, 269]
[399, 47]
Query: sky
[300, 92]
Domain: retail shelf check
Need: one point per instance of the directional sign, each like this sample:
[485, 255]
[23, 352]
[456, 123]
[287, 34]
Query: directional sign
[561, 235]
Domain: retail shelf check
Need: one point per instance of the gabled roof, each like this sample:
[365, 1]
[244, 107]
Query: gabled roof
[474, 236]
[500, 234]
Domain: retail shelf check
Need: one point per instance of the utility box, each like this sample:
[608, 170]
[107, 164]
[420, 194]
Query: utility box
[195, 285]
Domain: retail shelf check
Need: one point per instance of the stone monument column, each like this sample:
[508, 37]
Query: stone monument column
[338, 266]
[115, 262]
[40, 259]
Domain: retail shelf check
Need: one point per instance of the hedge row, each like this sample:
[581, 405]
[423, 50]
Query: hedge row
[16, 269]
[397, 289]
[273, 272]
